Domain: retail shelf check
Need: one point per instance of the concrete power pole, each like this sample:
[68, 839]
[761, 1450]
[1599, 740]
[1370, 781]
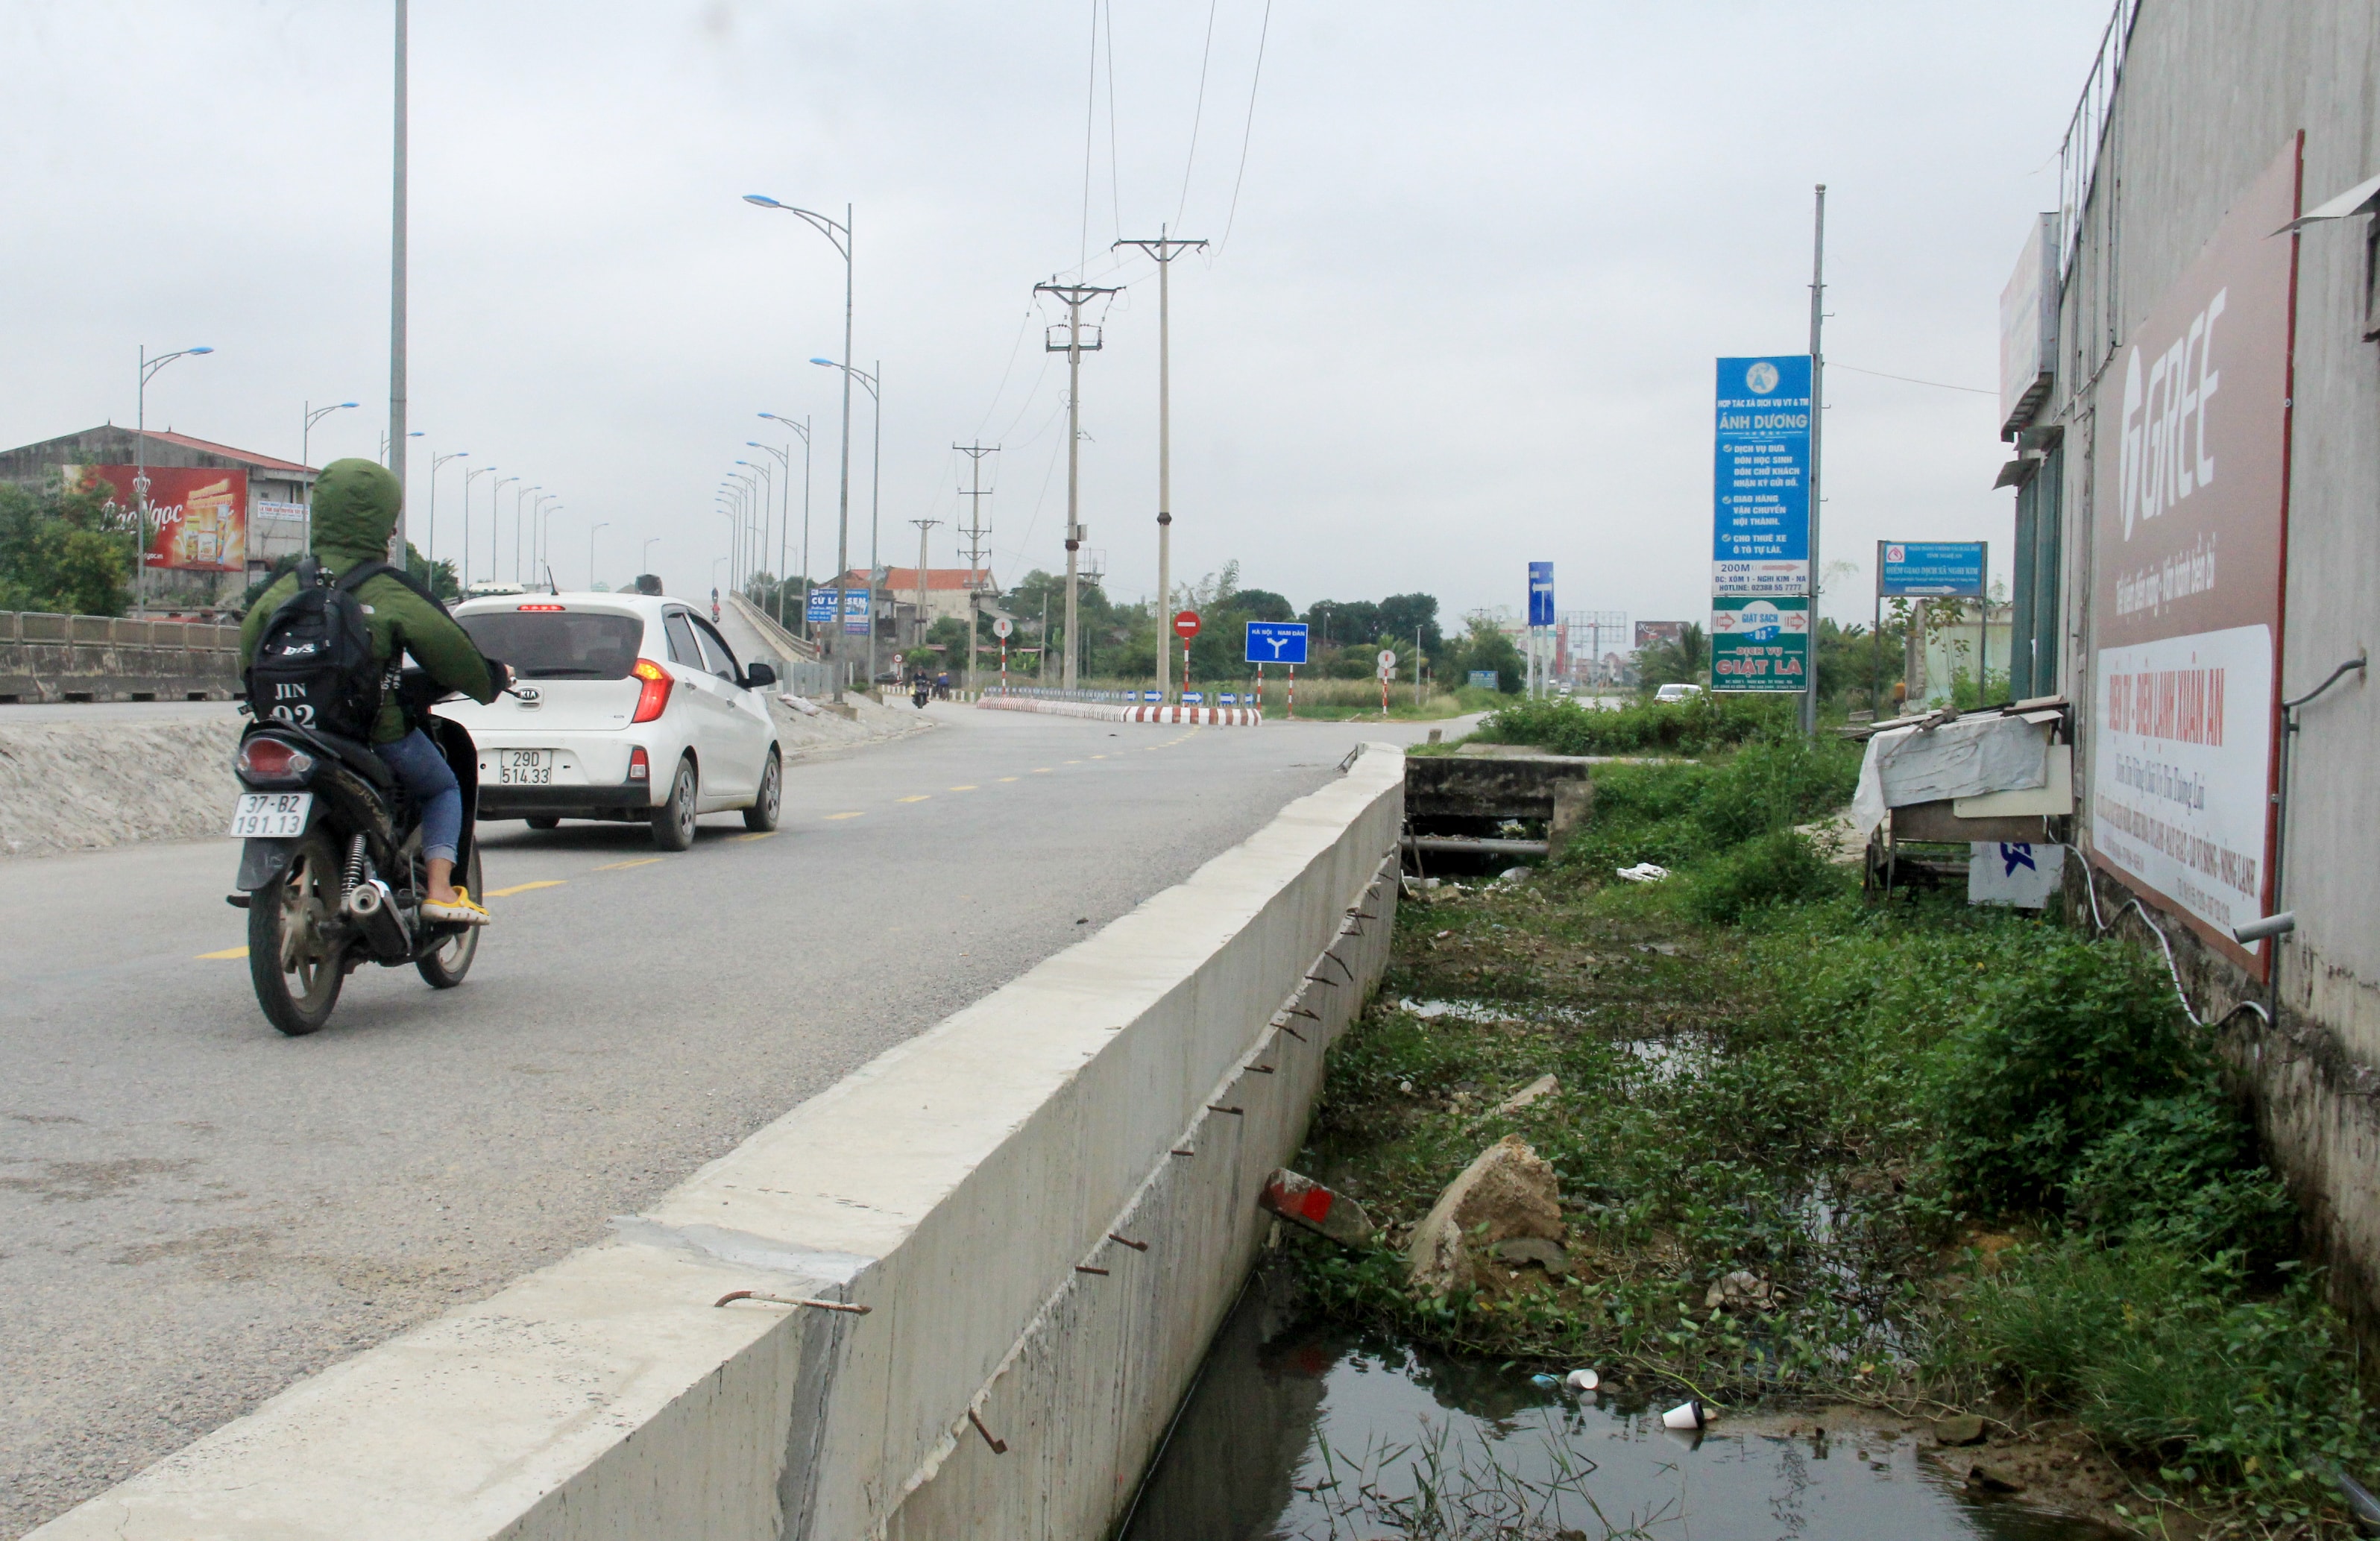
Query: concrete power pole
[1817, 423]
[397, 434]
[1163, 250]
[1075, 295]
[978, 533]
[923, 624]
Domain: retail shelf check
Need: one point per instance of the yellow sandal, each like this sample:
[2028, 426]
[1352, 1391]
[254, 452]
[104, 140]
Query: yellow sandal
[465, 910]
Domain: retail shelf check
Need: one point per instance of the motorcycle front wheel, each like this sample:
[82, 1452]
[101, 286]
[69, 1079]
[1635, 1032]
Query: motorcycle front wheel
[443, 966]
[291, 960]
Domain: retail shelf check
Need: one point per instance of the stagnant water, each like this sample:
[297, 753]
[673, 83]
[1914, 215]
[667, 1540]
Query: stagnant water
[1300, 1429]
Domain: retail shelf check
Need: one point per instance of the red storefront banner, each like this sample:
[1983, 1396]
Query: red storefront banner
[198, 518]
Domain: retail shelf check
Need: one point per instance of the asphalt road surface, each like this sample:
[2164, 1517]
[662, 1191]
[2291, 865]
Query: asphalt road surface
[196, 1211]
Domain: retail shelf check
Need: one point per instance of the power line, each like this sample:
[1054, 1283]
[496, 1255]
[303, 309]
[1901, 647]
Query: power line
[1247, 130]
[1197, 112]
[1908, 379]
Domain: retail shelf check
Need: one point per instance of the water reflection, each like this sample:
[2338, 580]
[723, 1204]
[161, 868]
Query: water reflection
[1299, 1430]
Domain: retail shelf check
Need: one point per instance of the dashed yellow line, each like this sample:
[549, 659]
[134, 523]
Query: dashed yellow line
[1041, 769]
[920, 797]
[756, 834]
[522, 887]
[226, 953]
[1007, 778]
[853, 814]
[966, 789]
[624, 865]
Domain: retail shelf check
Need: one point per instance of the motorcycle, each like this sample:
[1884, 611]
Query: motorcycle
[918, 693]
[332, 874]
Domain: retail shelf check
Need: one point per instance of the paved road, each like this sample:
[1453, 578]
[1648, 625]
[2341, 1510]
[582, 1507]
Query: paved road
[195, 1211]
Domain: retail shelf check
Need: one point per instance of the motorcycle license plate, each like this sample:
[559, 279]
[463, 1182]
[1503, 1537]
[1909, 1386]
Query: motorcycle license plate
[271, 815]
[525, 766]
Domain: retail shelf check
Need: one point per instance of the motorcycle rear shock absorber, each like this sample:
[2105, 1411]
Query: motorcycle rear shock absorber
[355, 873]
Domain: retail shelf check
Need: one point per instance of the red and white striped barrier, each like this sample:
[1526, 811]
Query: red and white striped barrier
[1102, 712]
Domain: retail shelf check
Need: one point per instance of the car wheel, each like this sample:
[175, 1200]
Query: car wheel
[674, 820]
[762, 814]
[543, 822]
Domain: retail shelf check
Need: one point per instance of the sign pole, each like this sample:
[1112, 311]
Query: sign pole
[1983, 628]
[1876, 643]
[1817, 424]
[1292, 692]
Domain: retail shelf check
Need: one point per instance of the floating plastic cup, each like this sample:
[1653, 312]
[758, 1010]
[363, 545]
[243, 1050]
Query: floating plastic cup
[1688, 1415]
[1582, 1380]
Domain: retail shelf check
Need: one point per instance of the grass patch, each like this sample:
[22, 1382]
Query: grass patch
[1567, 727]
[1970, 1156]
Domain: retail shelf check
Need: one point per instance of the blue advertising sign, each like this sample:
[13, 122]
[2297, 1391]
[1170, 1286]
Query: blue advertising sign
[1760, 476]
[1484, 679]
[856, 604]
[1541, 594]
[1276, 641]
[822, 607]
[1945, 569]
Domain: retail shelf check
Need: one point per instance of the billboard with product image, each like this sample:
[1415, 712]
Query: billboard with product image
[2188, 518]
[198, 518]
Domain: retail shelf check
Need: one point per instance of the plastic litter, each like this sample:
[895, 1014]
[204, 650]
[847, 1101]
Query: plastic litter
[1543, 1380]
[1644, 872]
[802, 704]
[1688, 1415]
[1582, 1380]
[1512, 877]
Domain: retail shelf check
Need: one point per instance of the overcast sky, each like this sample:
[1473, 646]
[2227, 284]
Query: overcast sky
[1480, 261]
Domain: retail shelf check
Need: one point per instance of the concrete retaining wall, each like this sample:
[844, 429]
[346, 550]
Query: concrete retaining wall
[1139, 1085]
[64, 658]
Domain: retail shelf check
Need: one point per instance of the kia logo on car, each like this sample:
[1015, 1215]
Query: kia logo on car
[529, 695]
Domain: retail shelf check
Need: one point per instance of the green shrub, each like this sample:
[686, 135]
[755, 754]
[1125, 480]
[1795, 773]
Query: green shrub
[2057, 1050]
[1566, 727]
[1781, 867]
[2182, 1171]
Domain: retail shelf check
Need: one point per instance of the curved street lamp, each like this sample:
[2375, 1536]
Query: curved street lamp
[841, 237]
[802, 428]
[140, 467]
[471, 475]
[429, 552]
[496, 523]
[590, 552]
[875, 484]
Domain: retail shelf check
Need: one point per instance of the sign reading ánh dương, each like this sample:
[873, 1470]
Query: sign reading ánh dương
[1760, 642]
[2186, 551]
[1760, 476]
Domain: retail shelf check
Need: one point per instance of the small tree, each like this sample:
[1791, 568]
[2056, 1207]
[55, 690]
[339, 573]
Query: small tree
[61, 552]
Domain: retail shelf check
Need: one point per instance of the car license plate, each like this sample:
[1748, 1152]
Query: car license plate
[271, 815]
[525, 766]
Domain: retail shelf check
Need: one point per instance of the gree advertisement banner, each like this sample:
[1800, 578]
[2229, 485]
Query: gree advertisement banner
[198, 518]
[1760, 476]
[2186, 538]
[1760, 643]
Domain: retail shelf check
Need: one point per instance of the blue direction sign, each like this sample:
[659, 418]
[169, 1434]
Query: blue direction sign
[1541, 594]
[822, 607]
[1944, 569]
[1760, 478]
[855, 603]
[1276, 641]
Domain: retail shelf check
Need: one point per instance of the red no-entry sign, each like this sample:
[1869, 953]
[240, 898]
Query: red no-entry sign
[1185, 626]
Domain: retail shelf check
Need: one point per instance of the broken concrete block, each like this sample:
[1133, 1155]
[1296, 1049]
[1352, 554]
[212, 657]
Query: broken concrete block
[1302, 1201]
[1506, 1190]
[1740, 1287]
[1539, 1087]
[1993, 1479]
[1964, 1429]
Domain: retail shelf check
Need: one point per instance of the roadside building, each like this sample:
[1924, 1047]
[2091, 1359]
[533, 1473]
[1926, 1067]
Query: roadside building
[220, 516]
[2192, 388]
[951, 593]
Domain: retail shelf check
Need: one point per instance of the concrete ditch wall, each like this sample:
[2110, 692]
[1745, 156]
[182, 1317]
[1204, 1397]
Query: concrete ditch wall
[1138, 1085]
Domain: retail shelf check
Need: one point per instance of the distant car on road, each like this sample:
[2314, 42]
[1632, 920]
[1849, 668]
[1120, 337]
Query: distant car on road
[629, 707]
[1677, 692]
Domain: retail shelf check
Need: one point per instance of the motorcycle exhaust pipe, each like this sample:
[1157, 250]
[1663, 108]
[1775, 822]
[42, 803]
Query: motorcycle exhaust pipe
[374, 909]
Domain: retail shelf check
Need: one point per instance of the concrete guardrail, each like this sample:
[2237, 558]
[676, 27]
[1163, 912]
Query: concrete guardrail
[95, 658]
[1045, 1206]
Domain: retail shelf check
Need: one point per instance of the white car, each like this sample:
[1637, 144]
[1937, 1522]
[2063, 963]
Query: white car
[627, 707]
[1677, 692]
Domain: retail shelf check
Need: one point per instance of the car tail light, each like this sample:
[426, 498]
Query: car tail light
[654, 699]
[537, 607]
[270, 759]
[639, 768]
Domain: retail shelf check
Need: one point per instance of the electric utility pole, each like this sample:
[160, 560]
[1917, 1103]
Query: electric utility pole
[923, 620]
[397, 436]
[977, 535]
[1817, 423]
[1163, 250]
[1075, 296]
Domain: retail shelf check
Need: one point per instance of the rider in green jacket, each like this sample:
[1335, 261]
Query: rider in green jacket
[355, 509]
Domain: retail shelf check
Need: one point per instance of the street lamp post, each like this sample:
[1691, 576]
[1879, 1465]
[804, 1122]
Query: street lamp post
[471, 475]
[802, 428]
[306, 456]
[519, 493]
[545, 538]
[786, 466]
[840, 237]
[430, 550]
[875, 487]
[590, 552]
[140, 471]
[763, 471]
[1075, 295]
[1165, 249]
[645, 558]
[496, 523]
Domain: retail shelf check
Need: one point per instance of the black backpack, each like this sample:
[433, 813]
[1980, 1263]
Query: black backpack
[313, 666]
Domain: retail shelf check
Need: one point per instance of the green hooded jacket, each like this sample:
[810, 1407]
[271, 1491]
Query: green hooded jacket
[356, 502]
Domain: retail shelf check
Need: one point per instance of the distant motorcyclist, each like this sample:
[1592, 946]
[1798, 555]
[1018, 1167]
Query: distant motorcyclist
[355, 508]
[942, 686]
[919, 688]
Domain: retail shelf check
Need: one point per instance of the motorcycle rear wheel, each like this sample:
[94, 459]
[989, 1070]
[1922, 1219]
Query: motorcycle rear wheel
[297, 974]
[443, 966]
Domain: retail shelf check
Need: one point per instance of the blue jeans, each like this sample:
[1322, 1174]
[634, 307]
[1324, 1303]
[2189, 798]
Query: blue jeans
[429, 781]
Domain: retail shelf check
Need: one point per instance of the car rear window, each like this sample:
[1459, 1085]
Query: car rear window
[558, 645]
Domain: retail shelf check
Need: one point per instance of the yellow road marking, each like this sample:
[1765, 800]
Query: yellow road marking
[1098, 756]
[918, 798]
[854, 814]
[1073, 762]
[1041, 769]
[226, 953]
[624, 865]
[1007, 778]
[521, 888]
[756, 834]
[965, 789]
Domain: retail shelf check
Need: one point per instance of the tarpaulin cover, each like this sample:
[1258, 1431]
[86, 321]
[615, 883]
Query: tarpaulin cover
[1965, 759]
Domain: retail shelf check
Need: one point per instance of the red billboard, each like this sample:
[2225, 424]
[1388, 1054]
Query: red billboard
[2187, 515]
[198, 518]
